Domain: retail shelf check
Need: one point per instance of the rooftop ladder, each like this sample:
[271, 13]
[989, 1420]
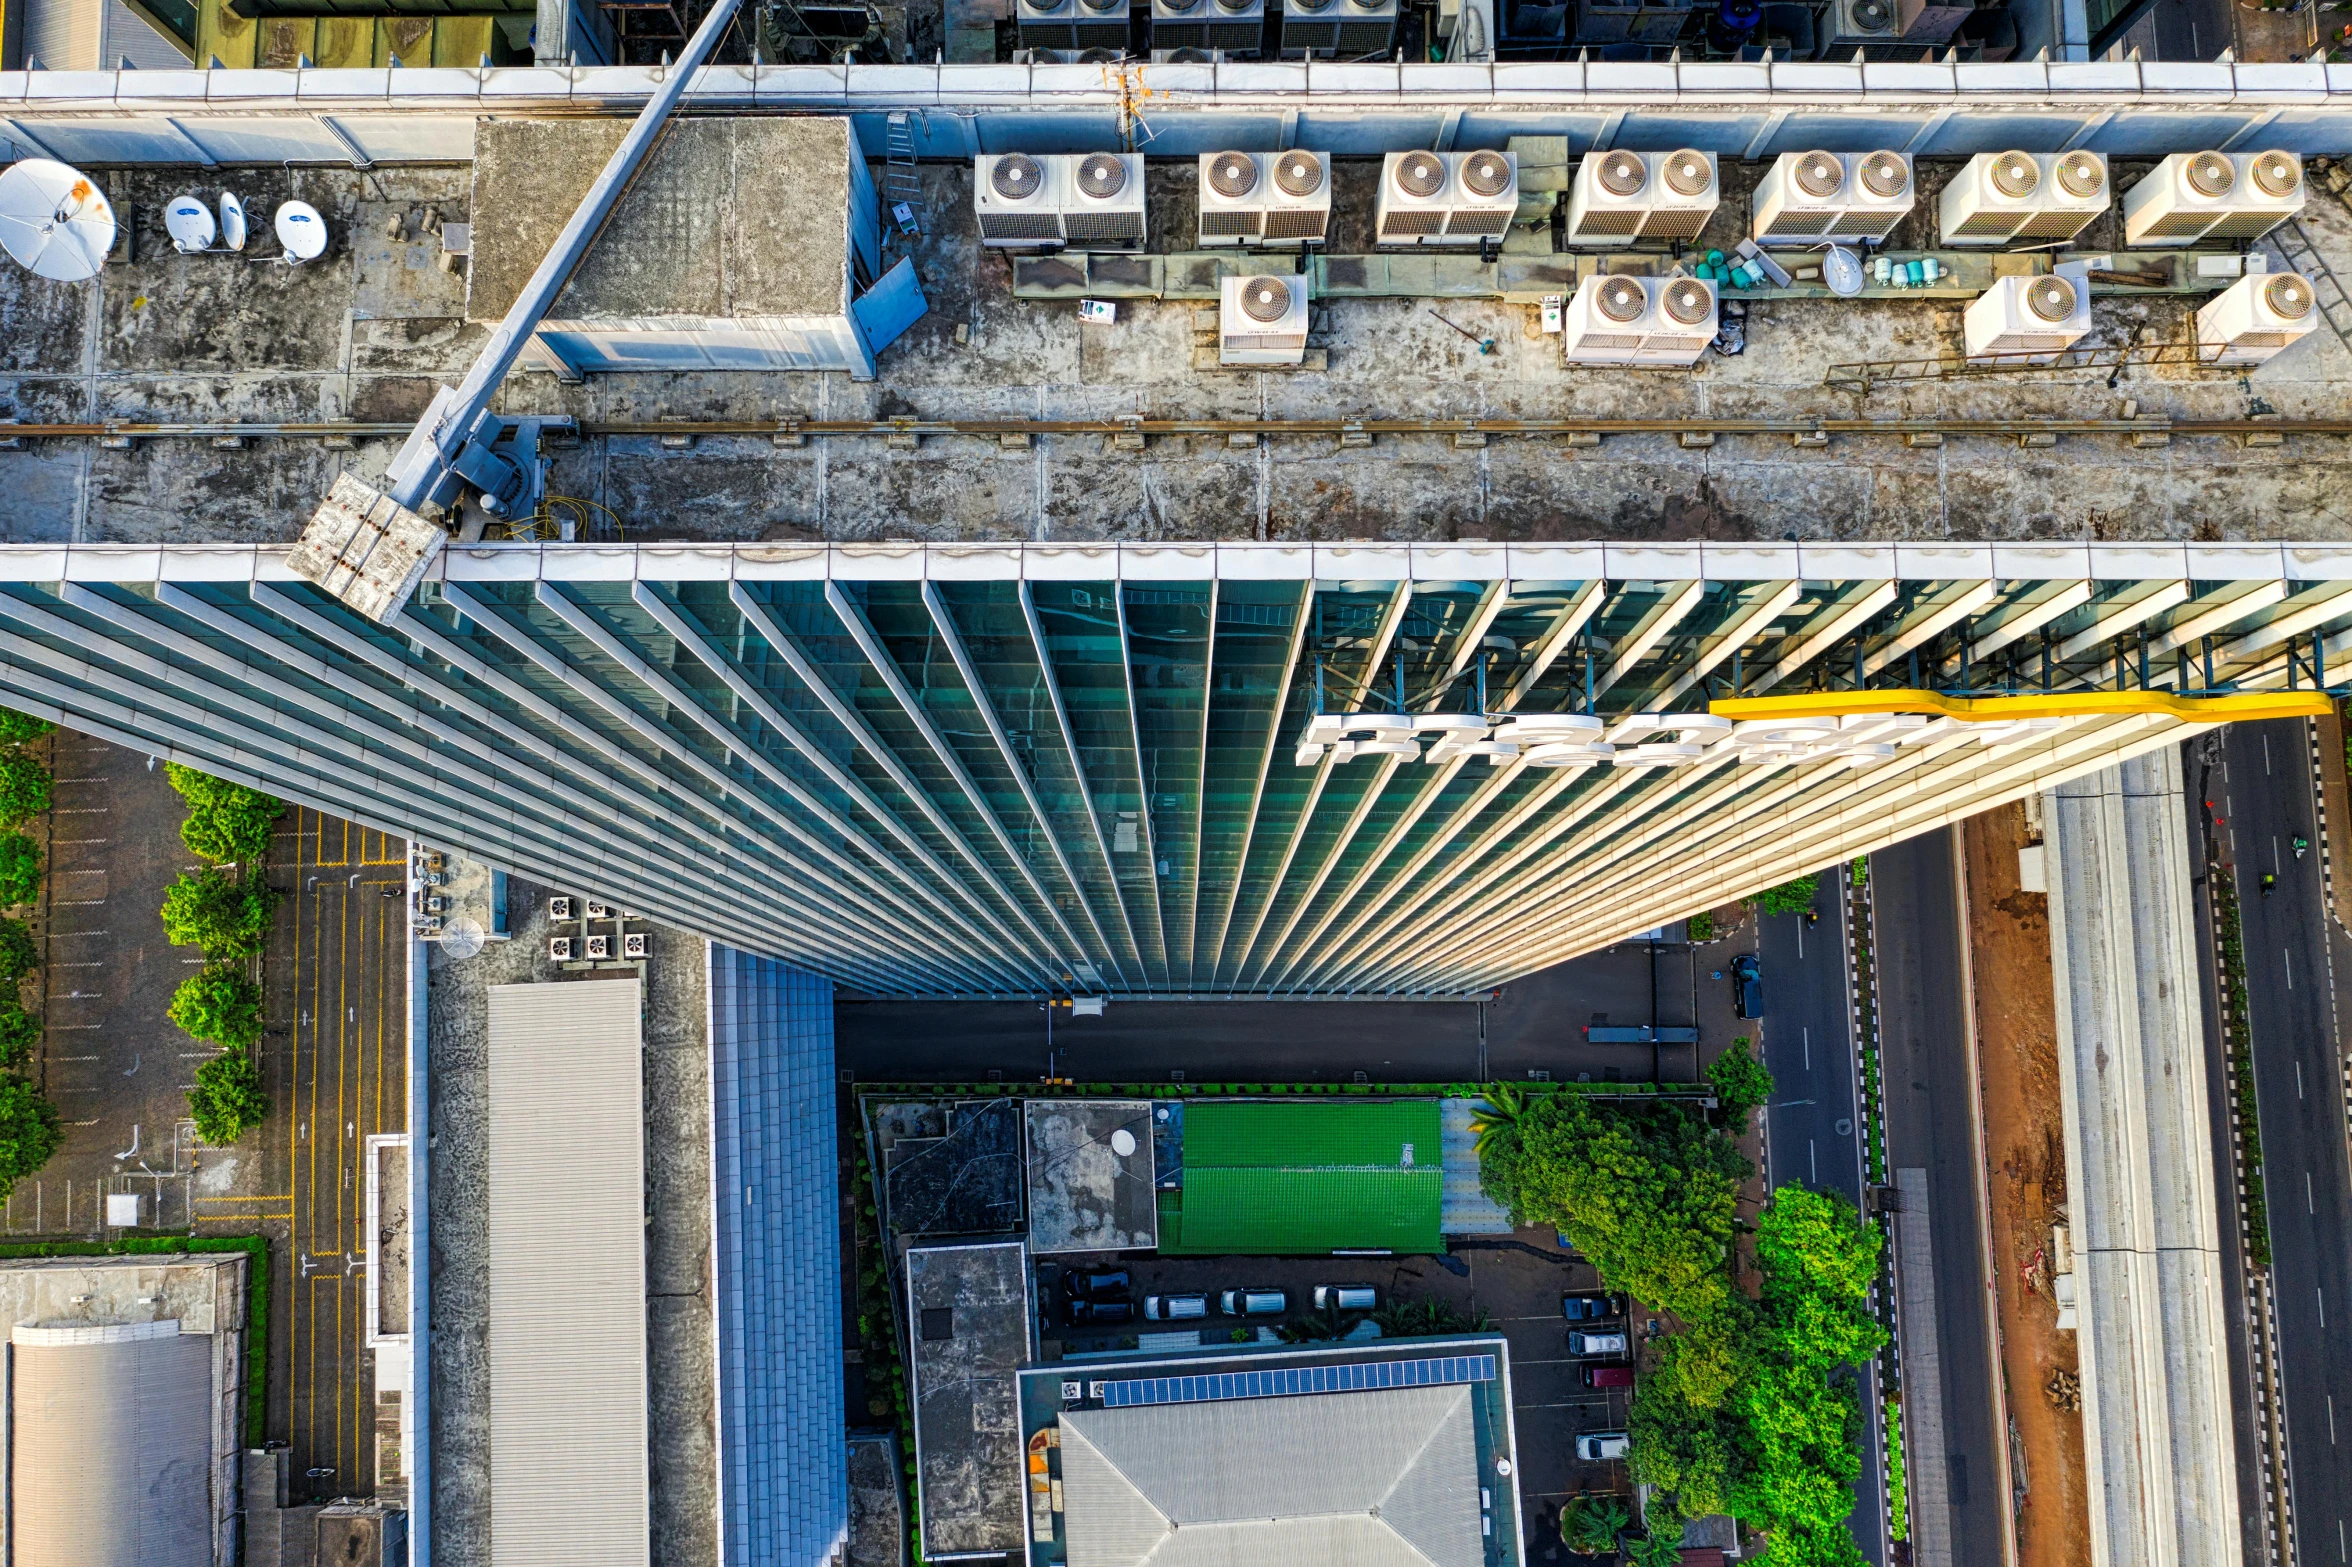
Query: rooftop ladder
[2295, 248]
[902, 183]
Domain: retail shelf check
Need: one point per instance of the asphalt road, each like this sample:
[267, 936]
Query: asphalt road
[1929, 1094]
[2263, 796]
[1810, 1135]
[1536, 1024]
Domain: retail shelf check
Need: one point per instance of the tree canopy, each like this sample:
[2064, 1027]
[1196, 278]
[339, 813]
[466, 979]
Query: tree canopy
[1742, 1086]
[218, 1003]
[227, 1100]
[29, 1131]
[24, 786]
[227, 917]
[1790, 897]
[226, 822]
[16, 728]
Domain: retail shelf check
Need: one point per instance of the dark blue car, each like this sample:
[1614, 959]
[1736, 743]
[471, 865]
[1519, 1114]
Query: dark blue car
[1747, 986]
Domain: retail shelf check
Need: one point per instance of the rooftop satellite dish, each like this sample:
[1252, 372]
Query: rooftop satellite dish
[302, 231]
[1123, 1142]
[463, 939]
[54, 221]
[232, 221]
[189, 223]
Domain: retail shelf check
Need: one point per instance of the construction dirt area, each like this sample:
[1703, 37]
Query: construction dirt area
[2025, 1164]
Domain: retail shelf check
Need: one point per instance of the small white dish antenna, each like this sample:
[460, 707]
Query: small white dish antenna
[189, 223]
[1123, 1142]
[302, 231]
[1841, 269]
[232, 221]
[54, 221]
[463, 939]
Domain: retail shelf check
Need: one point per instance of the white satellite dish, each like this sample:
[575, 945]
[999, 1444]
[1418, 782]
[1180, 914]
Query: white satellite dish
[302, 231]
[54, 221]
[1123, 1142]
[1841, 269]
[232, 221]
[189, 223]
[464, 938]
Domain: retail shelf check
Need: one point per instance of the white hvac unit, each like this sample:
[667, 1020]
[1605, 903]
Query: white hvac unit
[1046, 24]
[1103, 201]
[1619, 196]
[1808, 197]
[2040, 317]
[1858, 24]
[2255, 317]
[1100, 24]
[1446, 198]
[1018, 199]
[1338, 29]
[1262, 198]
[1640, 321]
[1179, 24]
[1262, 320]
[2194, 196]
[2024, 197]
[1235, 28]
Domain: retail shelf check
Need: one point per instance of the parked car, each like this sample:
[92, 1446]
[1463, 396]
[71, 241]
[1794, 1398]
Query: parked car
[1598, 1447]
[1346, 1297]
[1095, 1283]
[1175, 1308]
[1747, 986]
[1608, 1376]
[1596, 1343]
[1101, 1313]
[1254, 1303]
[1592, 1308]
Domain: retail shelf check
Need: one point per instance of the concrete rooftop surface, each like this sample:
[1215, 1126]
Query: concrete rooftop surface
[368, 332]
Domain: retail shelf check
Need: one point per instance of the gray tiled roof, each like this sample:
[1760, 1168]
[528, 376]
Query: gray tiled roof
[783, 1462]
[1376, 1479]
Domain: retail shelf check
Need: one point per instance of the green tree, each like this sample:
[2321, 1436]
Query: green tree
[1700, 926]
[1742, 1085]
[29, 1131]
[24, 786]
[16, 728]
[20, 869]
[227, 1101]
[20, 954]
[1590, 1524]
[227, 917]
[20, 1033]
[218, 1003]
[1500, 1109]
[1790, 897]
[1687, 1448]
[227, 823]
[1661, 1547]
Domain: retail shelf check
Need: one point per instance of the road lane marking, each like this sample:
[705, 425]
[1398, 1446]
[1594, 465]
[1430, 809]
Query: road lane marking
[2307, 1202]
[1808, 1043]
[2298, 1079]
[1812, 1165]
[2331, 1401]
[2290, 957]
[2322, 1294]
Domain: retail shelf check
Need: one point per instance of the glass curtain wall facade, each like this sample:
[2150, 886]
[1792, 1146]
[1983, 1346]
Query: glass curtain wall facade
[1177, 770]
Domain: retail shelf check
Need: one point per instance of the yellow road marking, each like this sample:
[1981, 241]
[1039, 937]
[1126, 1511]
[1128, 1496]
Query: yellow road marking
[2231, 706]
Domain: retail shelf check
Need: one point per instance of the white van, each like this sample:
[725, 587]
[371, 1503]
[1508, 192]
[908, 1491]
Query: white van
[1175, 1308]
[1255, 1303]
[1346, 1297]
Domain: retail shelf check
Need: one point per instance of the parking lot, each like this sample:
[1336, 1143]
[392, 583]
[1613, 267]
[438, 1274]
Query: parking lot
[1513, 1282]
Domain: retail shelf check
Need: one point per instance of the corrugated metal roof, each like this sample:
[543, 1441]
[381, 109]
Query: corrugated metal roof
[783, 1464]
[1385, 1479]
[568, 1458]
[110, 1448]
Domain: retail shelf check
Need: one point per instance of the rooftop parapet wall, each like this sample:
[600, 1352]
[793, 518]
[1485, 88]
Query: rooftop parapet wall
[1748, 110]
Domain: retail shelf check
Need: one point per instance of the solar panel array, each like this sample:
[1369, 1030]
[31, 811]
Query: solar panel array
[1290, 1381]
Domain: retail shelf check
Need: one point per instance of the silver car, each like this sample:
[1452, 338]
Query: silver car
[1254, 1303]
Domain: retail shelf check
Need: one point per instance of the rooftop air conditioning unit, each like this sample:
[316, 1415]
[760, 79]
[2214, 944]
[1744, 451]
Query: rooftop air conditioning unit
[1858, 24]
[1808, 197]
[1103, 200]
[1237, 28]
[2194, 196]
[2255, 317]
[1446, 198]
[1018, 199]
[1099, 24]
[1367, 28]
[1046, 24]
[1179, 24]
[1262, 320]
[2041, 317]
[1619, 196]
[1182, 57]
[1622, 320]
[1310, 28]
[2034, 197]
[1264, 198]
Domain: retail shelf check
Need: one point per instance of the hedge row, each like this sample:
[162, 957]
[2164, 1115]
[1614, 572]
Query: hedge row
[226, 909]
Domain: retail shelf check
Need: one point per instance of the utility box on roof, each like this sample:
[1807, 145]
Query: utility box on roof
[745, 244]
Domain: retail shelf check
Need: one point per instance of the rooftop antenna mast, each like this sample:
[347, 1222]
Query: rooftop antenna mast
[460, 444]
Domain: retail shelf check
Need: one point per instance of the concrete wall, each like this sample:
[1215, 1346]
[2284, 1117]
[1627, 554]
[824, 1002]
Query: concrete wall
[2139, 1171]
[1742, 110]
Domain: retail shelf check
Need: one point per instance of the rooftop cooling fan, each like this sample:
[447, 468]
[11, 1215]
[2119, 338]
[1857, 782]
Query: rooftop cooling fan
[1016, 177]
[1420, 174]
[1885, 175]
[1623, 174]
[1621, 299]
[1101, 176]
[1486, 173]
[1266, 299]
[1233, 175]
[1298, 174]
